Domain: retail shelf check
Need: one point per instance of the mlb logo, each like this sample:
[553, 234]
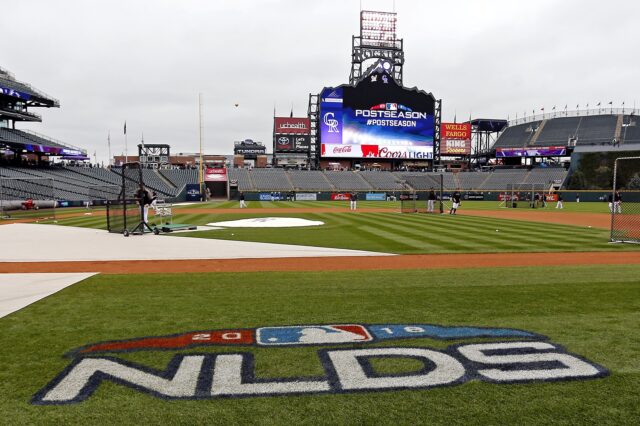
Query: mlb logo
[392, 107]
[312, 335]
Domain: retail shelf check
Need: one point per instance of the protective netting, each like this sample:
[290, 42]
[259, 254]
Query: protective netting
[27, 198]
[408, 202]
[528, 195]
[624, 201]
[122, 215]
[123, 210]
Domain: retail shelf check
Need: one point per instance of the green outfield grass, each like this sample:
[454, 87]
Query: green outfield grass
[592, 311]
[392, 232]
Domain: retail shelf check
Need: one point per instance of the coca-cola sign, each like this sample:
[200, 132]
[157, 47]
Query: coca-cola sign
[342, 149]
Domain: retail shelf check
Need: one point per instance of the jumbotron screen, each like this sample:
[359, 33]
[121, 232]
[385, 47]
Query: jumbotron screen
[378, 118]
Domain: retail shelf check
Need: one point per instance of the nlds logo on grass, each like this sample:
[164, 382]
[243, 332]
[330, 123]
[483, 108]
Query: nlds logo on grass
[346, 354]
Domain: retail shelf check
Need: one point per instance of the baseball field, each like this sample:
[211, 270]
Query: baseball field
[491, 316]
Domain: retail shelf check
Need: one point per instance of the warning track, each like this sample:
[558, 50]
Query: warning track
[428, 261]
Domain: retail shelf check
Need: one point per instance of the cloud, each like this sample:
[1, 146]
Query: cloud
[146, 61]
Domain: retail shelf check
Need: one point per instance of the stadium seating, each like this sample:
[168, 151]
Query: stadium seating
[546, 175]
[270, 180]
[631, 134]
[153, 180]
[381, 180]
[348, 181]
[471, 180]
[597, 129]
[180, 177]
[18, 136]
[557, 131]
[310, 180]
[420, 181]
[243, 178]
[517, 136]
[501, 178]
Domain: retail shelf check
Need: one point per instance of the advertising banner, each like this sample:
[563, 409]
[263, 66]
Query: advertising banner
[472, 196]
[14, 93]
[340, 196]
[292, 125]
[193, 192]
[375, 196]
[455, 138]
[215, 175]
[391, 121]
[543, 151]
[292, 143]
[307, 196]
[265, 197]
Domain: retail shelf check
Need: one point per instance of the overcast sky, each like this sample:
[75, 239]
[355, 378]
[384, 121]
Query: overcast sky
[145, 61]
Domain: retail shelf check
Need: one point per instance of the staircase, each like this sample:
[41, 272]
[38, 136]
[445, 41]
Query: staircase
[618, 133]
[165, 180]
[535, 136]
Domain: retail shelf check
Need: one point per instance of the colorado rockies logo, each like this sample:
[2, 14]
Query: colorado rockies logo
[511, 356]
[330, 121]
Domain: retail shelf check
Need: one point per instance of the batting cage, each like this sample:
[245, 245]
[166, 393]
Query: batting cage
[100, 194]
[524, 195]
[27, 198]
[125, 213]
[422, 200]
[625, 205]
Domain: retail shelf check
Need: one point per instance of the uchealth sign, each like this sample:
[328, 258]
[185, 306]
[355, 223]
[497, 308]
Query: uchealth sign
[455, 138]
[495, 355]
[292, 125]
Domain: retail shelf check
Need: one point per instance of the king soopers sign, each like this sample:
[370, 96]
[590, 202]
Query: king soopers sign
[512, 356]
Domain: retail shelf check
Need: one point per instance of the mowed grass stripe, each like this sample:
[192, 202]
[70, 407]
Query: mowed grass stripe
[352, 224]
[439, 223]
[529, 229]
[449, 241]
[408, 235]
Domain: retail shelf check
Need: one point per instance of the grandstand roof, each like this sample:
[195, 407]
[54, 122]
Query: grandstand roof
[489, 124]
[9, 86]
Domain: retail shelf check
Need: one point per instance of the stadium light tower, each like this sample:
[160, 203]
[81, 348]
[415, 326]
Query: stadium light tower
[377, 40]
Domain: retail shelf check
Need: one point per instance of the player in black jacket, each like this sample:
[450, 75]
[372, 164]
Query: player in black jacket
[455, 198]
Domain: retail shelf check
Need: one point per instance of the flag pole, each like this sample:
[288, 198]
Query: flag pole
[126, 150]
[109, 145]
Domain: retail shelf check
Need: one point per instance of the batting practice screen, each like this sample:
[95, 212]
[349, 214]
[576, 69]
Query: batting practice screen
[623, 205]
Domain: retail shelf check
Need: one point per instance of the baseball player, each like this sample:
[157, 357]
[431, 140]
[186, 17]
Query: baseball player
[455, 198]
[431, 201]
[243, 205]
[353, 201]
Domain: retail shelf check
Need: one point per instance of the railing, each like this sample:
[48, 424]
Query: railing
[575, 113]
[10, 111]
